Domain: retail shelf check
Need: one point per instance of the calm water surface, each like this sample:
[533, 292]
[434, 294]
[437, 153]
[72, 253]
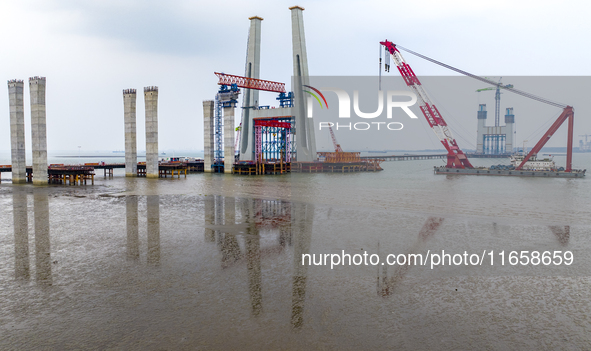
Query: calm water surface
[214, 262]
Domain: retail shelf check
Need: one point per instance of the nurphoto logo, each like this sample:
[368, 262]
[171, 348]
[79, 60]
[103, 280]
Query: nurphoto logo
[344, 108]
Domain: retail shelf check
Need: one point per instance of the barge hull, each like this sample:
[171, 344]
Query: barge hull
[510, 173]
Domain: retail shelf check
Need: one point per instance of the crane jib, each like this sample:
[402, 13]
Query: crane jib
[455, 156]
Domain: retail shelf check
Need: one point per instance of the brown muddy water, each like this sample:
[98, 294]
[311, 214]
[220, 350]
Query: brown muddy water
[213, 262]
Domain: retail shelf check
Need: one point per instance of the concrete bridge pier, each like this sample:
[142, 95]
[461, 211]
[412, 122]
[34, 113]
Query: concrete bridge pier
[38, 130]
[151, 102]
[17, 130]
[129, 105]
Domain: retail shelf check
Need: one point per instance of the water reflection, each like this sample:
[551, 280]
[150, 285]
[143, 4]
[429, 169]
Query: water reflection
[562, 233]
[21, 233]
[209, 218]
[302, 216]
[228, 242]
[153, 213]
[42, 244]
[131, 222]
[387, 284]
[230, 222]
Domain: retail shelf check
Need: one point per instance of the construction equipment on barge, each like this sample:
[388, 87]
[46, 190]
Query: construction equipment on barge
[457, 162]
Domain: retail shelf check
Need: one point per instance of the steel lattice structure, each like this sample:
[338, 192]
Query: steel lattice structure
[273, 139]
[218, 154]
[250, 83]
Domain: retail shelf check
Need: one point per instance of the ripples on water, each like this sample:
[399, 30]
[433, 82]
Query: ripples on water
[212, 262]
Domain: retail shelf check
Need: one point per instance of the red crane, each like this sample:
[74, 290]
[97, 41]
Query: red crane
[337, 147]
[250, 83]
[567, 112]
[455, 156]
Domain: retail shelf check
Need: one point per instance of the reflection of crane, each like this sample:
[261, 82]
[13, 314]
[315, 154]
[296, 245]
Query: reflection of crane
[337, 147]
[497, 99]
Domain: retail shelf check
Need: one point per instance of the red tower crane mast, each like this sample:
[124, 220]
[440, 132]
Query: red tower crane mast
[455, 156]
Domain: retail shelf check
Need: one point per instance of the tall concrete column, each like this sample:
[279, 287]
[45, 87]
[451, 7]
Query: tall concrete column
[481, 128]
[509, 123]
[228, 139]
[151, 101]
[129, 104]
[17, 130]
[251, 96]
[38, 130]
[305, 139]
[208, 137]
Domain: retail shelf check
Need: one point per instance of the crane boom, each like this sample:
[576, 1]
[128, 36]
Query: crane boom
[337, 146]
[455, 156]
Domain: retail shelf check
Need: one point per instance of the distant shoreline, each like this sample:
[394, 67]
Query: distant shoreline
[94, 156]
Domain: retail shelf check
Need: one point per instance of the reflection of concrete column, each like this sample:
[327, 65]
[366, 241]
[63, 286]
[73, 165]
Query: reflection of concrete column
[228, 139]
[131, 211]
[209, 217]
[151, 102]
[302, 216]
[129, 99]
[17, 130]
[253, 266]
[38, 130]
[230, 248]
[153, 229]
[21, 233]
[208, 136]
[42, 245]
[219, 214]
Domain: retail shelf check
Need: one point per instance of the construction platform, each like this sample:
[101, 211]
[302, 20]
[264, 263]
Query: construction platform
[335, 167]
[261, 168]
[164, 169]
[62, 174]
[410, 157]
[575, 173]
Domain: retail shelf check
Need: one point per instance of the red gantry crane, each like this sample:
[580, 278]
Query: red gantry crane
[455, 157]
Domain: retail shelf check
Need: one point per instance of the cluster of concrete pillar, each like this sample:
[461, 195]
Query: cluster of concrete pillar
[38, 130]
[151, 112]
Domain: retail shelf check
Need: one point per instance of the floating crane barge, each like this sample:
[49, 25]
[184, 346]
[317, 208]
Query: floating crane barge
[457, 161]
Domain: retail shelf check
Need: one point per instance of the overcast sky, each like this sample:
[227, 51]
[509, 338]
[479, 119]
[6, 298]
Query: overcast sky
[91, 50]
